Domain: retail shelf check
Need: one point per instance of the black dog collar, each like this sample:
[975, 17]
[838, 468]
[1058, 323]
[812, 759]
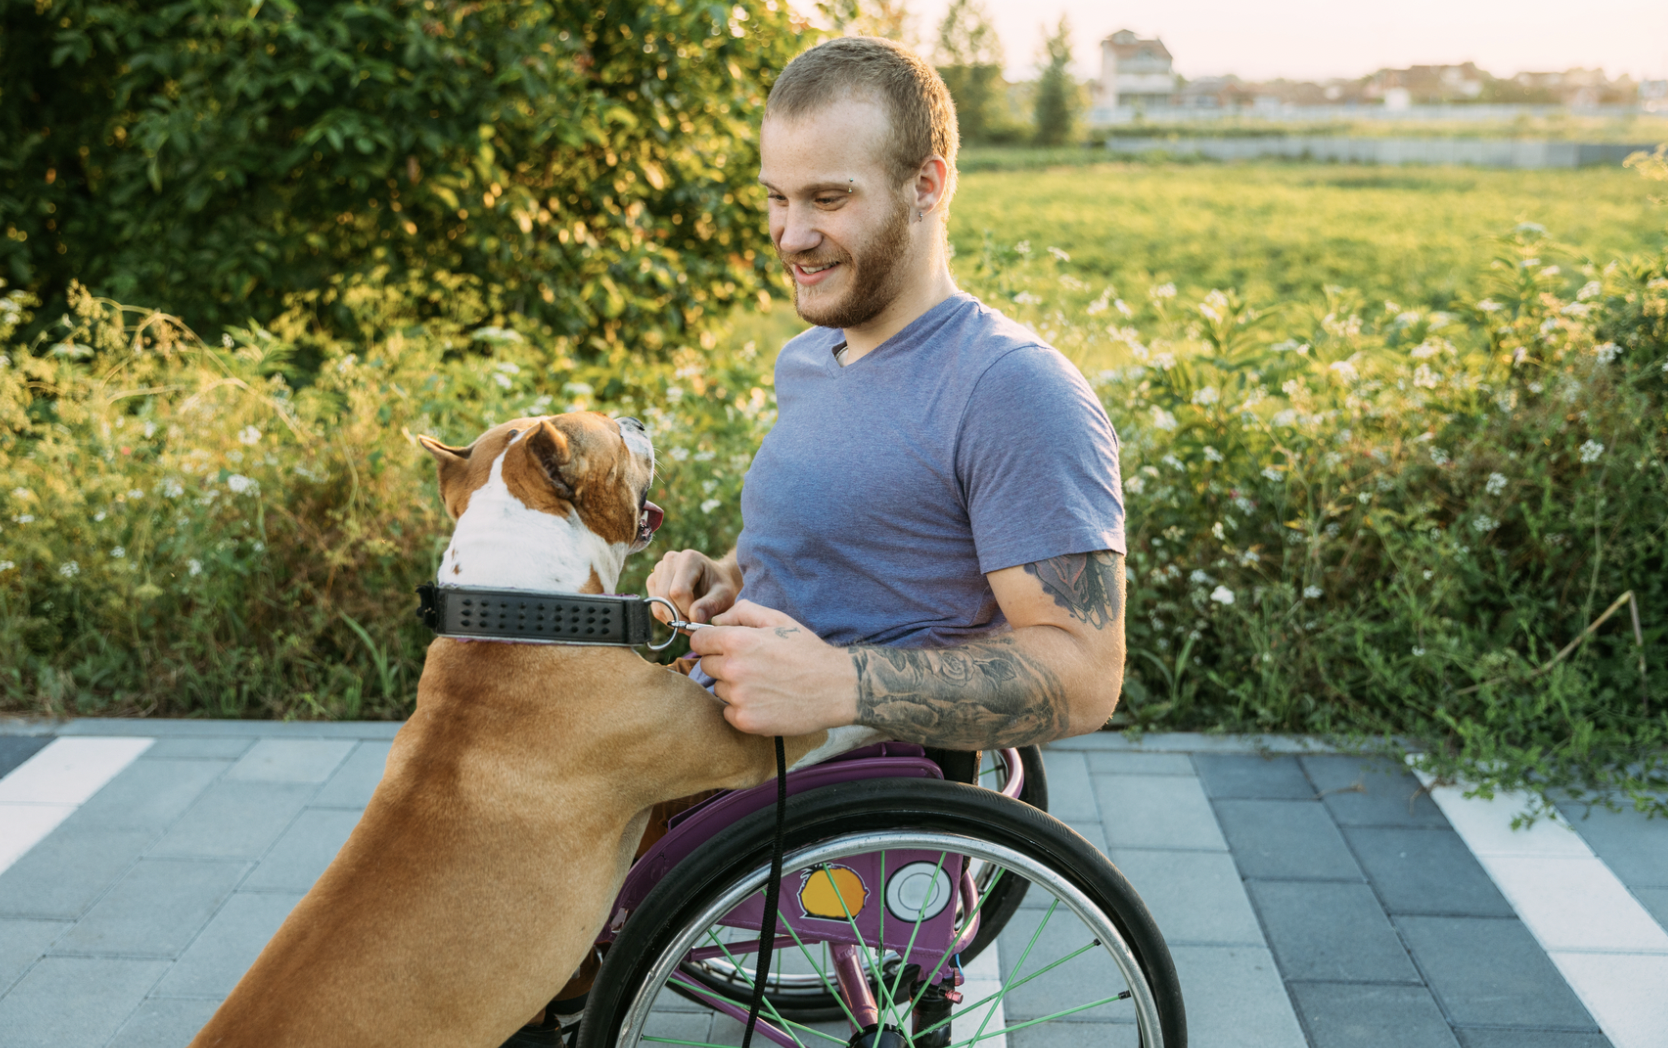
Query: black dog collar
[533, 617]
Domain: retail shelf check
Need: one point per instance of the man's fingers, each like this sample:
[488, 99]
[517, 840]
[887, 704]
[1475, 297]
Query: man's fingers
[714, 603]
[746, 613]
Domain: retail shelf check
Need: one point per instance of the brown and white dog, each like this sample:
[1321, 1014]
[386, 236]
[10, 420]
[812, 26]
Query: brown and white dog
[515, 796]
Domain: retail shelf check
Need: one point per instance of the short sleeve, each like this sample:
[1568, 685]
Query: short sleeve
[1037, 461]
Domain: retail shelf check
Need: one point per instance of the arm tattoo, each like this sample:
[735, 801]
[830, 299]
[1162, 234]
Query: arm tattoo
[1088, 585]
[980, 695]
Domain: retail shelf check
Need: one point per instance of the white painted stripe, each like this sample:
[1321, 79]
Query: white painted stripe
[44, 790]
[982, 977]
[1606, 945]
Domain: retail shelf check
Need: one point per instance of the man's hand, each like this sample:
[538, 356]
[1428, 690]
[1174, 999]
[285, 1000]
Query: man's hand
[697, 584]
[775, 676]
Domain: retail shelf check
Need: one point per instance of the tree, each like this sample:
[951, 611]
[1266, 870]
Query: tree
[884, 18]
[590, 164]
[1057, 100]
[970, 61]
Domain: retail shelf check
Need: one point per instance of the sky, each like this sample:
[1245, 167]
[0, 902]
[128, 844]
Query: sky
[1318, 39]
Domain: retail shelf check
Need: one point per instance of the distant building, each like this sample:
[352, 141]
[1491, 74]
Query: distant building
[1134, 72]
[1425, 85]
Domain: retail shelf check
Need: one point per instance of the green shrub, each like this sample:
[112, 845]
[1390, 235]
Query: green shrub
[182, 533]
[591, 164]
[1361, 518]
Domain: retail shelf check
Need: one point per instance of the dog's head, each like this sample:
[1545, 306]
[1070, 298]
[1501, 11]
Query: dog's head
[580, 479]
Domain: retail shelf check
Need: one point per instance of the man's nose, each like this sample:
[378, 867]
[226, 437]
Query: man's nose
[799, 231]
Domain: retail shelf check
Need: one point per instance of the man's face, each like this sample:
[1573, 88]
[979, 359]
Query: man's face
[839, 224]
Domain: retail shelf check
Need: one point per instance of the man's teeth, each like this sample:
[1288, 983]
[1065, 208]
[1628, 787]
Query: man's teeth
[818, 269]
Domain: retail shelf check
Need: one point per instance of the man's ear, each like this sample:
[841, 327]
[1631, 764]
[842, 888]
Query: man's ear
[550, 449]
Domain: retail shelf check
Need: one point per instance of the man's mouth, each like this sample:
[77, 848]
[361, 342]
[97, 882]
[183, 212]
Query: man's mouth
[814, 273]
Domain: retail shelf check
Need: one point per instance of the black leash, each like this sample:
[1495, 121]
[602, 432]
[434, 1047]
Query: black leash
[773, 892]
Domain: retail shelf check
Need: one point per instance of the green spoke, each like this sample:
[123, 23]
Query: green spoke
[1019, 963]
[751, 984]
[782, 920]
[1000, 870]
[862, 945]
[1044, 1019]
[903, 962]
[674, 1040]
[1010, 987]
[785, 1024]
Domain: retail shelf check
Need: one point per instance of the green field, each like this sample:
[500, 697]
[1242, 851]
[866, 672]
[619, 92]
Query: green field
[1419, 235]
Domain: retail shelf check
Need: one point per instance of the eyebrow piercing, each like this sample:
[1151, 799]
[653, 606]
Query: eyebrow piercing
[848, 184]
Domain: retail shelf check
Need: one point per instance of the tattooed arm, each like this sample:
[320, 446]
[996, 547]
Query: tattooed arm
[1057, 674]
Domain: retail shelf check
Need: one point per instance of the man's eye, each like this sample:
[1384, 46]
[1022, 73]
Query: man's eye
[827, 201]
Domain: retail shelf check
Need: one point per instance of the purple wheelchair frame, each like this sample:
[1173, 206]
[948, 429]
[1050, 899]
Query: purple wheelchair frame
[930, 947]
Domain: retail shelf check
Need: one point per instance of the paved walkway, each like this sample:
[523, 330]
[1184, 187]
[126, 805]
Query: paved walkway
[1310, 898]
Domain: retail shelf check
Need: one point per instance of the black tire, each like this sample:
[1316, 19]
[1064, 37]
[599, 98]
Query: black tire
[859, 809]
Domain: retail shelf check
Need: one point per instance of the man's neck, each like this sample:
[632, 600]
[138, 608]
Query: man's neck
[915, 300]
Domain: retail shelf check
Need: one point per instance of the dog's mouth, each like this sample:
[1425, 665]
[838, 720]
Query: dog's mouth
[648, 522]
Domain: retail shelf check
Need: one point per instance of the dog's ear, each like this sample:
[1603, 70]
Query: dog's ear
[552, 452]
[443, 454]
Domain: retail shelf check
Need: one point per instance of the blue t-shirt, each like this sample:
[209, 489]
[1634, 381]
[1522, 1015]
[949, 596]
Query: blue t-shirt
[889, 488]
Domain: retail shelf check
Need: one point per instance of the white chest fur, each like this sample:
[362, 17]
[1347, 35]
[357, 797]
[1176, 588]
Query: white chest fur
[501, 543]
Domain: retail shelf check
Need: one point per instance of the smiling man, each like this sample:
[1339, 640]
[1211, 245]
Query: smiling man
[933, 532]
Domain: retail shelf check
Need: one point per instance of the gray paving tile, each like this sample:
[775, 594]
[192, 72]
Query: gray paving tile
[21, 942]
[1654, 900]
[1330, 931]
[1386, 794]
[1235, 997]
[63, 874]
[1249, 777]
[1491, 972]
[1193, 742]
[290, 760]
[193, 748]
[1479, 1037]
[71, 1002]
[1345, 1016]
[165, 1022]
[304, 850]
[1074, 983]
[1064, 1035]
[1070, 794]
[1114, 762]
[163, 729]
[356, 779]
[1286, 841]
[150, 794]
[15, 749]
[1427, 871]
[1196, 897]
[155, 909]
[212, 965]
[1634, 847]
[235, 820]
[1168, 811]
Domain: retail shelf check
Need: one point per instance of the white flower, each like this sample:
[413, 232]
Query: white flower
[1484, 522]
[249, 435]
[1285, 418]
[194, 567]
[1439, 456]
[1345, 369]
[679, 454]
[135, 493]
[1022, 248]
[24, 518]
[709, 505]
[1425, 350]
[497, 334]
[1496, 483]
[1164, 361]
[1489, 305]
[1243, 504]
[1212, 455]
[6, 565]
[1222, 595]
[1424, 377]
[22, 493]
[1061, 255]
[1163, 419]
[1607, 352]
[1550, 271]
[1418, 651]
[119, 552]
[100, 515]
[1134, 484]
[1218, 531]
[242, 485]
[1206, 395]
[1591, 289]
[1123, 307]
[1273, 474]
[150, 428]
[1198, 577]
[1311, 593]
[1162, 291]
[172, 488]
[1591, 451]
[69, 569]
[508, 367]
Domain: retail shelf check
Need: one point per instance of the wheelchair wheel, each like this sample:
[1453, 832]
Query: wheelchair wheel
[1081, 962]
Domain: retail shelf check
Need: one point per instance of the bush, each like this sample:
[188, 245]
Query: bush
[591, 164]
[183, 533]
[1376, 520]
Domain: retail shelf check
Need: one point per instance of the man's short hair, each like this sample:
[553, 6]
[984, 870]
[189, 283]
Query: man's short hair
[923, 115]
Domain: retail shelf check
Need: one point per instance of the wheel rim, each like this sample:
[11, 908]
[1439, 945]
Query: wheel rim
[987, 1005]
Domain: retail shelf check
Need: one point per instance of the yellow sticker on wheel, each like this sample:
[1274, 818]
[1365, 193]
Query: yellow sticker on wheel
[832, 893]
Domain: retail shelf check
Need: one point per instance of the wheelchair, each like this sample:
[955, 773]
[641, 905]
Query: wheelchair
[916, 911]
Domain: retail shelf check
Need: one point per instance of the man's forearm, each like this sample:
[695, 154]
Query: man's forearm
[980, 695]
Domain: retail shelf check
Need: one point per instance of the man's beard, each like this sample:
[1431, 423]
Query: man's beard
[878, 273]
